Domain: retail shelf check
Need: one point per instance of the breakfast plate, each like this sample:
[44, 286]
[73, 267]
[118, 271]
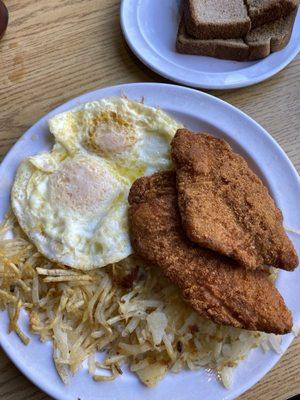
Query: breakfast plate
[199, 112]
[150, 29]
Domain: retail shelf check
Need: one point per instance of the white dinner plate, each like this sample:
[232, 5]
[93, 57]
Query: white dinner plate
[150, 29]
[199, 112]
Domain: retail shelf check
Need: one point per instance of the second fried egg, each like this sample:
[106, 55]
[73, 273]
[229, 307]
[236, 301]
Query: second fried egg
[135, 137]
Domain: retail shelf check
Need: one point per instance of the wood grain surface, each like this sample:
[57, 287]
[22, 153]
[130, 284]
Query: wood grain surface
[55, 50]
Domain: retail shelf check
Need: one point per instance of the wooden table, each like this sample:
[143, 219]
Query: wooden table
[55, 50]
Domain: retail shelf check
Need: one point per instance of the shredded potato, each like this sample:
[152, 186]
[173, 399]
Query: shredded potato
[292, 230]
[127, 309]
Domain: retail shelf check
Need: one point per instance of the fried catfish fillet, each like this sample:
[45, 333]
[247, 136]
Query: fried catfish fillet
[225, 207]
[215, 286]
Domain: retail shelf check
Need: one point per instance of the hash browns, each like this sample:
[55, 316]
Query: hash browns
[123, 309]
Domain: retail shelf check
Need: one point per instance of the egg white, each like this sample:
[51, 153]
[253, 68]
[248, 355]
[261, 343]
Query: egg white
[134, 137]
[74, 209]
[72, 202]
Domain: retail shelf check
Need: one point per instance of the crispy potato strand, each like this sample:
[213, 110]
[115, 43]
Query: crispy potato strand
[127, 309]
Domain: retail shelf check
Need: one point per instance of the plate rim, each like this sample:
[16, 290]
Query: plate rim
[136, 49]
[142, 88]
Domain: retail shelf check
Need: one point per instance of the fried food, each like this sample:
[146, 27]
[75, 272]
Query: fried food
[128, 311]
[225, 207]
[216, 287]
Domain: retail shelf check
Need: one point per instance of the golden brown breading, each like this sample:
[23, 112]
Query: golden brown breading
[225, 207]
[215, 286]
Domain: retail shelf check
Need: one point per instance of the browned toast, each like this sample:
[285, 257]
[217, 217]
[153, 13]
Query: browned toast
[257, 44]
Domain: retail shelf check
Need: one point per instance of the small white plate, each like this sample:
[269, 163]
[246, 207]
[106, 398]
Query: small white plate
[200, 112]
[150, 29]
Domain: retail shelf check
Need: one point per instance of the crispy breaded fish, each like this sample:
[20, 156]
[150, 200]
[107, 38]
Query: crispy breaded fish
[216, 287]
[225, 207]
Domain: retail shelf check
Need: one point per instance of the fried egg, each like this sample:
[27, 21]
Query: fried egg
[72, 202]
[74, 209]
[134, 137]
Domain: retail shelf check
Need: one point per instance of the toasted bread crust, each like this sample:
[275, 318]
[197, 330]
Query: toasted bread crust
[269, 10]
[231, 49]
[216, 287]
[277, 41]
[203, 30]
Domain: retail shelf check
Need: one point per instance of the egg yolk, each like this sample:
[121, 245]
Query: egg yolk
[83, 186]
[109, 134]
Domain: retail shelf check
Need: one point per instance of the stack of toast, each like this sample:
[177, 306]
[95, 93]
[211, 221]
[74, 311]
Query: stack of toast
[241, 30]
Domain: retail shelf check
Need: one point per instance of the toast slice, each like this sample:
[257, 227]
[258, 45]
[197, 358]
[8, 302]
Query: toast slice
[230, 49]
[257, 44]
[213, 19]
[264, 11]
[270, 37]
